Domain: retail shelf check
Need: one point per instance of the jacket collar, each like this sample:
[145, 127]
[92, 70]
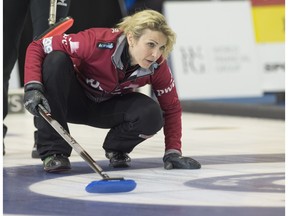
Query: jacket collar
[116, 57]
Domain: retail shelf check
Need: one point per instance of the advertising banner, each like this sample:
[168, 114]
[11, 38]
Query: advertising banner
[214, 56]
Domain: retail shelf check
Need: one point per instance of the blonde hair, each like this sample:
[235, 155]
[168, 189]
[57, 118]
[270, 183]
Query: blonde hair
[148, 19]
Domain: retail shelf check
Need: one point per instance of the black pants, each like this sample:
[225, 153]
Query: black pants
[131, 117]
[14, 15]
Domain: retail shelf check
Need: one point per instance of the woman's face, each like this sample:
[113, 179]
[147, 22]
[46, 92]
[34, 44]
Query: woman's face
[147, 49]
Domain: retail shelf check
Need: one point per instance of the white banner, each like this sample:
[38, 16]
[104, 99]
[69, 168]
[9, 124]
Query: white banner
[214, 56]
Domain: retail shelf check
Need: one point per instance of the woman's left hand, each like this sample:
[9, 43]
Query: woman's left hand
[176, 161]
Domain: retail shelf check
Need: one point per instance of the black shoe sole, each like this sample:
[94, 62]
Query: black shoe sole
[57, 170]
[119, 165]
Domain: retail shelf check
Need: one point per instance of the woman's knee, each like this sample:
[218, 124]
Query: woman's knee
[56, 60]
[154, 116]
[56, 64]
[149, 118]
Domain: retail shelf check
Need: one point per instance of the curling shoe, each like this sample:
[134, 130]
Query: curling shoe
[118, 159]
[56, 163]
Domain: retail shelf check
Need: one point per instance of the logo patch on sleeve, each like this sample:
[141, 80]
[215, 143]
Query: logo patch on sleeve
[103, 45]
